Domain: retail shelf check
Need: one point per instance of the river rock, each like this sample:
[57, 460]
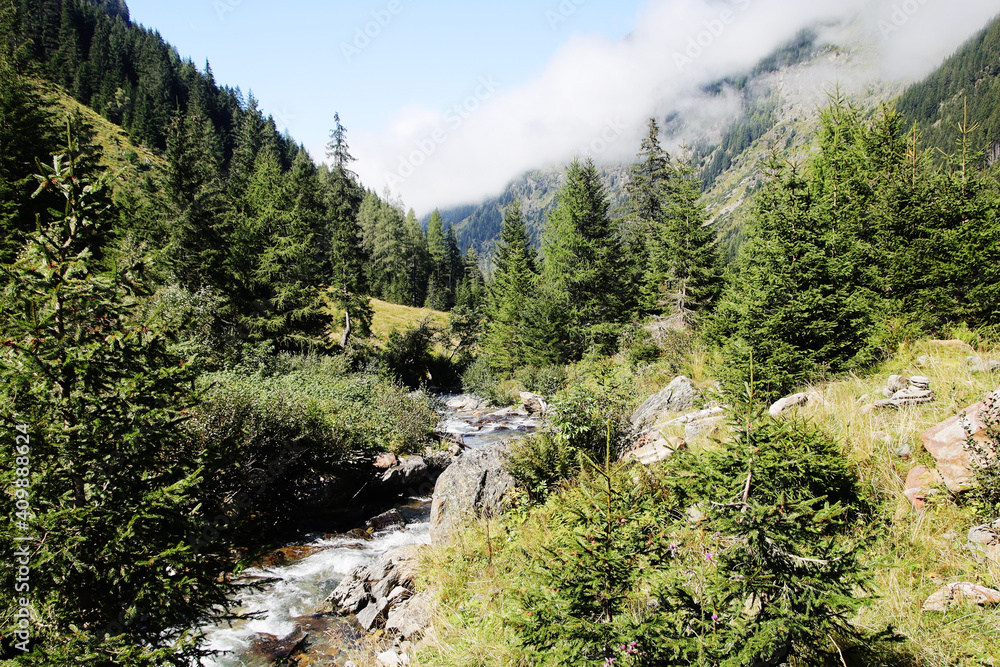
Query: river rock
[912, 397]
[534, 403]
[678, 396]
[411, 618]
[466, 403]
[393, 658]
[474, 485]
[986, 538]
[945, 442]
[275, 649]
[370, 583]
[391, 519]
[414, 475]
[954, 594]
[980, 365]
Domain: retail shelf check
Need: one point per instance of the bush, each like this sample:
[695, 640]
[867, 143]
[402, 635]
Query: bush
[540, 462]
[544, 380]
[483, 380]
[985, 456]
[272, 445]
[592, 418]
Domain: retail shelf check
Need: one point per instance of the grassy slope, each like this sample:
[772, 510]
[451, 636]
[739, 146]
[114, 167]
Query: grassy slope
[113, 139]
[389, 316]
[475, 577]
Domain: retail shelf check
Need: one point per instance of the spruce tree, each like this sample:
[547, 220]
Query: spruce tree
[347, 256]
[584, 260]
[514, 281]
[99, 397]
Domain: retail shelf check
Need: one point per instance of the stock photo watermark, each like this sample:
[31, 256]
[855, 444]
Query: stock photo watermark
[899, 17]
[22, 537]
[563, 12]
[223, 7]
[713, 30]
[610, 133]
[454, 118]
[370, 31]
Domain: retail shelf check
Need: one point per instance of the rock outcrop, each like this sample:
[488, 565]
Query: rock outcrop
[413, 475]
[946, 442]
[474, 485]
[678, 396]
[374, 592]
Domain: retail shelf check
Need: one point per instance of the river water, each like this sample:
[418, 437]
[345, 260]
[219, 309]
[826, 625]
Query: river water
[291, 596]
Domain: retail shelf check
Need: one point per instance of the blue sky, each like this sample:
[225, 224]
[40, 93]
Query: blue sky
[292, 55]
[446, 102]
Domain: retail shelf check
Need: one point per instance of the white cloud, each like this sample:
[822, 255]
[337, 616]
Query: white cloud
[595, 95]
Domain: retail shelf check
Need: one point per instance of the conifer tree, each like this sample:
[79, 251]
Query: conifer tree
[347, 256]
[192, 197]
[514, 281]
[99, 399]
[584, 259]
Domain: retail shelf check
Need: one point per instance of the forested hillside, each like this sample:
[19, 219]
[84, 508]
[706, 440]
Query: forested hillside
[188, 373]
[964, 91]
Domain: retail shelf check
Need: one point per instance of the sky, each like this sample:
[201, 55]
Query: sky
[445, 102]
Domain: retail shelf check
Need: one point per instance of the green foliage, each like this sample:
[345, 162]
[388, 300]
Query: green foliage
[543, 380]
[114, 484]
[541, 461]
[768, 573]
[275, 445]
[408, 354]
[985, 458]
[514, 281]
[592, 416]
[584, 262]
[588, 600]
[481, 379]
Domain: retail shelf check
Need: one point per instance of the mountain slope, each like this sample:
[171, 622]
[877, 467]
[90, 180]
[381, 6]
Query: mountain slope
[779, 102]
[966, 88]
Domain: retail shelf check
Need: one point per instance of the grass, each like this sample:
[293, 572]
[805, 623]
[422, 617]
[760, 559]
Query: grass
[112, 138]
[389, 316]
[911, 554]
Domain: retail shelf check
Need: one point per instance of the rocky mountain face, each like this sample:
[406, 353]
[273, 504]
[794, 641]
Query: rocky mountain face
[776, 104]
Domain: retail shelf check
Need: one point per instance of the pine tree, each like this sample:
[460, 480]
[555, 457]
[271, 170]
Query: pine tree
[684, 274]
[193, 202]
[99, 398]
[347, 256]
[439, 253]
[584, 259]
[514, 281]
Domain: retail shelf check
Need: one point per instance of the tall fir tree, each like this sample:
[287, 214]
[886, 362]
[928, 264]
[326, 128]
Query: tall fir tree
[96, 394]
[347, 255]
[514, 282]
[584, 261]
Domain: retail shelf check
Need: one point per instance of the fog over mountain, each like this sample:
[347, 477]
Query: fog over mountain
[593, 97]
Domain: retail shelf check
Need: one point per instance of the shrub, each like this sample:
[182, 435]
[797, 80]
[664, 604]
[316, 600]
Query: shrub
[539, 462]
[544, 380]
[482, 379]
[985, 456]
[271, 445]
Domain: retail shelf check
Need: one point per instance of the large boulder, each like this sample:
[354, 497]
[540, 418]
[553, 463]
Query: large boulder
[413, 475]
[474, 485]
[678, 396]
[946, 441]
